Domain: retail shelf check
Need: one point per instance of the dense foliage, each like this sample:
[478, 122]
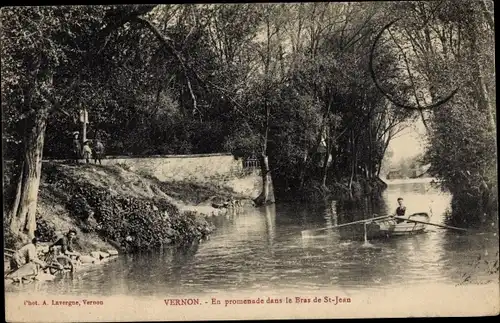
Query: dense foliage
[132, 222]
[452, 47]
[287, 81]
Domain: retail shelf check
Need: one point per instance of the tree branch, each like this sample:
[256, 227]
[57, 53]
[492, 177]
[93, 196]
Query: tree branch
[389, 96]
[168, 42]
[488, 15]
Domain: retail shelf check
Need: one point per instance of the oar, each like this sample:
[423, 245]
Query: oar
[344, 224]
[429, 223]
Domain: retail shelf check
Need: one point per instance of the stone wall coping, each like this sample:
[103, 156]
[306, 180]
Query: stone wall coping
[169, 156]
[139, 157]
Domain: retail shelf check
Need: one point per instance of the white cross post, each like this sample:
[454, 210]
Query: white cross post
[84, 119]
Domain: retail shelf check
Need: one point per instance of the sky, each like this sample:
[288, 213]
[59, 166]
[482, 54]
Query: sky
[408, 143]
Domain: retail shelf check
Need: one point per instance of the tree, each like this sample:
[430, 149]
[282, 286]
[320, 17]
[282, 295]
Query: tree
[451, 71]
[36, 50]
[46, 56]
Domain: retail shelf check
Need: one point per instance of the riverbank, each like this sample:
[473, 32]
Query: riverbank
[114, 208]
[314, 191]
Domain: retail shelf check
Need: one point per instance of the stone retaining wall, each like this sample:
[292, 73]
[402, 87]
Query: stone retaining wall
[218, 169]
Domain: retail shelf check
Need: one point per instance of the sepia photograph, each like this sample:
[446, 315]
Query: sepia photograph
[261, 160]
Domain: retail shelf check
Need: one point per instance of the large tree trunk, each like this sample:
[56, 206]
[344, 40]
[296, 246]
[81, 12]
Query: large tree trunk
[353, 165]
[483, 97]
[355, 160]
[267, 194]
[326, 159]
[482, 93]
[325, 168]
[23, 211]
[351, 179]
[369, 166]
[386, 145]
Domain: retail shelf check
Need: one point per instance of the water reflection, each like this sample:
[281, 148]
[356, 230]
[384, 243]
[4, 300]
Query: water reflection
[334, 216]
[263, 249]
[472, 255]
[270, 212]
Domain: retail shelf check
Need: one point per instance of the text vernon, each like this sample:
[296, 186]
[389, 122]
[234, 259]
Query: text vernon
[181, 301]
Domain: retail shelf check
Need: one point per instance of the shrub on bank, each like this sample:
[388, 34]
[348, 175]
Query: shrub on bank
[134, 223]
[11, 240]
[137, 223]
[45, 230]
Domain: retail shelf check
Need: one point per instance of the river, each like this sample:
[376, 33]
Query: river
[263, 250]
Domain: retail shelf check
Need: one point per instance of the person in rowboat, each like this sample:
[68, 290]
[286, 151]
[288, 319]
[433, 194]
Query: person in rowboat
[401, 209]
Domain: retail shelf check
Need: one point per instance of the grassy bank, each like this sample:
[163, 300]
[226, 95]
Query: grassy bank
[112, 207]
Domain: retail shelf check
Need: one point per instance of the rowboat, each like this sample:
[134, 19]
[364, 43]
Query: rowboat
[390, 227]
[386, 226]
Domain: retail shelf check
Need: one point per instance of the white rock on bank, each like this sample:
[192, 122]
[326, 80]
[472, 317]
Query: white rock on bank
[96, 254]
[88, 260]
[104, 254]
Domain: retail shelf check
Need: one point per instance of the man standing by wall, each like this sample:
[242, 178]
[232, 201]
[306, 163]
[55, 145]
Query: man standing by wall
[87, 151]
[77, 148]
[98, 151]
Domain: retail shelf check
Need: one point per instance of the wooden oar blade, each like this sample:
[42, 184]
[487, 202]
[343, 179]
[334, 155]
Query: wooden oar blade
[310, 231]
[430, 223]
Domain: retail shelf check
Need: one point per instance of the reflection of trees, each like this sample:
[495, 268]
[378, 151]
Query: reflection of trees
[362, 209]
[470, 256]
[392, 261]
[135, 272]
[331, 218]
[270, 213]
[348, 211]
[182, 256]
[333, 209]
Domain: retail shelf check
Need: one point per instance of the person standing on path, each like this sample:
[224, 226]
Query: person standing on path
[77, 149]
[87, 152]
[98, 151]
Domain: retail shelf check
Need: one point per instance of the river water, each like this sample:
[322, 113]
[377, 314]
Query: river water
[264, 249]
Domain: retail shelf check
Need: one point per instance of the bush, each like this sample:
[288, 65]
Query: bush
[79, 207]
[11, 240]
[134, 223]
[45, 230]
